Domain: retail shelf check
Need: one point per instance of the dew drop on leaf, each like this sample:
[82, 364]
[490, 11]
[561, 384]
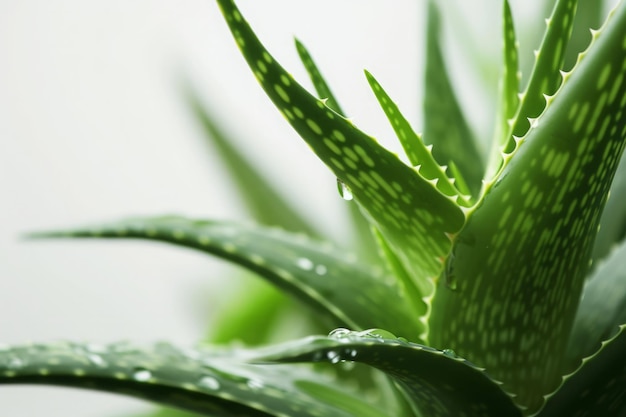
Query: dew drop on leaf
[339, 333]
[333, 357]
[305, 264]
[450, 353]
[209, 382]
[141, 374]
[344, 191]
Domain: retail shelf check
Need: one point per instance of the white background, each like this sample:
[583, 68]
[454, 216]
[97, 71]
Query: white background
[93, 126]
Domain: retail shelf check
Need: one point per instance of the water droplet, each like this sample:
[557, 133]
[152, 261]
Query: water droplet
[305, 264]
[142, 374]
[353, 353]
[339, 333]
[344, 191]
[333, 357]
[321, 269]
[377, 333]
[254, 384]
[209, 382]
[15, 363]
[450, 353]
[96, 359]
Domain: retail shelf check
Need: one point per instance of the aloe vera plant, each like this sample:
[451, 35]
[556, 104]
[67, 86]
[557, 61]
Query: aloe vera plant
[483, 299]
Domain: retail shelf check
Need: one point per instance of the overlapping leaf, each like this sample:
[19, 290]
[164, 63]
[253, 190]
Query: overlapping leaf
[445, 126]
[212, 384]
[601, 310]
[597, 388]
[521, 260]
[425, 373]
[321, 276]
[412, 214]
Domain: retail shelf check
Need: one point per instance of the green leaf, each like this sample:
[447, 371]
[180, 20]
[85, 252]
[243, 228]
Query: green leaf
[508, 102]
[613, 221]
[520, 263]
[320, 84]
[324, 277]
[588, 16]
[597, 387]
[410, 211]
[601, 310]
[418, 153]
[439, 383]
[546, 76]
[209, 383]
[445, 126]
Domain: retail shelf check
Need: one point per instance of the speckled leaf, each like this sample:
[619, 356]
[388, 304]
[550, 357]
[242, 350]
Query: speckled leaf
[412, 214]
[546, 77]
[597, 388]
[418, 153]
[320, 84]
[363, 239]
[439, 383]
[601, 310]
[445, 126]
[508, 101]
[322, 276]
[519, 264]
[191, 379]
[613, 221]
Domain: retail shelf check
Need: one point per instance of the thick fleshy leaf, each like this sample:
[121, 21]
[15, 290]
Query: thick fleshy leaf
[418, 153]
[601, 310]
[445, 126]
[546, 75]
[411, 212]
[519, 264]
[439, 383]
[508, 101]
[597, 388]
[363, 239]
[322, 276]
[588, 16]
[212, 384]
[613, 222]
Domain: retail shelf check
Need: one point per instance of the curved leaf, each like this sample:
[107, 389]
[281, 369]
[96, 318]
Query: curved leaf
[595, 389]
[193, 379]
[601, 310]
[445, 126]
[411, 212]
[321, 276]
[520, 262]
[439, 383]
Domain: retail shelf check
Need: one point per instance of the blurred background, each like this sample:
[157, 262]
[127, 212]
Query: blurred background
[94, 126]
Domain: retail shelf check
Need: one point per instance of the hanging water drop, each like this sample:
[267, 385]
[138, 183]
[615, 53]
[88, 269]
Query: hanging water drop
[209, 382]
[333, 357]
[344, 191]
[142, 374]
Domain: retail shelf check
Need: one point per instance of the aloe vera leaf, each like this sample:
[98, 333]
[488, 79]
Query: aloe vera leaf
[588, 16]
[613, 222]
[509, 88]
[320, 84]
[360, 226]
[546, 76]
[413, 214]
[445, 126]
[318, 274]
[418, 153]
[597, 387]
[191, 379]
[520, 262]
[601, 310]
[439, 383]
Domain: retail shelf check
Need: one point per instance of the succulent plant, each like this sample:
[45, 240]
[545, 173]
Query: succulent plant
[498, 288]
